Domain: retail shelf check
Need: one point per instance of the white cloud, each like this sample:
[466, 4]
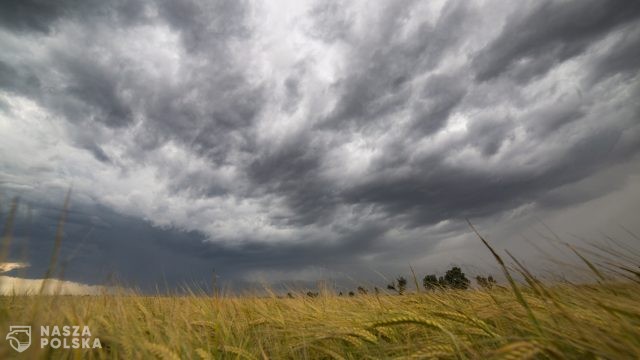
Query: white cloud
[17, 286]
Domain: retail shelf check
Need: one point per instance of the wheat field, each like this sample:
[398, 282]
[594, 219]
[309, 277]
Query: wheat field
[543, 322]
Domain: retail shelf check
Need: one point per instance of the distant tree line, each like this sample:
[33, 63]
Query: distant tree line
[453, 278]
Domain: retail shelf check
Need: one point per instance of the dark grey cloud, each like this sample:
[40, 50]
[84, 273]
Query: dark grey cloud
[37, 16]
[549, 119]
[16, 79]
[92, 85]
[30, 15]
[551, 32]
[240, 136]
[622, 59]
[293, 170]
[105, 247]
[381, 63]
[440, 95]
[203, 24]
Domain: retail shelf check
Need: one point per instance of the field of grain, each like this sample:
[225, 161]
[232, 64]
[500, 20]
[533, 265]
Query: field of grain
[537, 322]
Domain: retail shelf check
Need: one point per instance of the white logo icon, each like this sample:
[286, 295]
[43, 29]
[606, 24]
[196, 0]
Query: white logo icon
[19, 337]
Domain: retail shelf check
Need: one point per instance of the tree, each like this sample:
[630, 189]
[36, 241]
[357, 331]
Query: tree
[399, 286]
[455, 279]
[312, 294]
[362, 291]
[402, 284]
[351, 294]
[430, 282]
[485, 282]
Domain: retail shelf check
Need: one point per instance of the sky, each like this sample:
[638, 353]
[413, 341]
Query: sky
[275, 141]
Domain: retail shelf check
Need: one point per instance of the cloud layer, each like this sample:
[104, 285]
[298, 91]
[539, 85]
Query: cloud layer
[319, 130]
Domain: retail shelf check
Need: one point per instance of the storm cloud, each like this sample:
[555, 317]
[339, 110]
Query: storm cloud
[265, 139]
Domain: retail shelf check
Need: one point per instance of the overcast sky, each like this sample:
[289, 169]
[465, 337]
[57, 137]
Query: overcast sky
[296, 140]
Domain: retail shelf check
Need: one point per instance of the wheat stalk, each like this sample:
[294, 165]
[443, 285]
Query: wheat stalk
[161, 351]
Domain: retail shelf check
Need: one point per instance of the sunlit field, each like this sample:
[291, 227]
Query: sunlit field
[562, 321]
